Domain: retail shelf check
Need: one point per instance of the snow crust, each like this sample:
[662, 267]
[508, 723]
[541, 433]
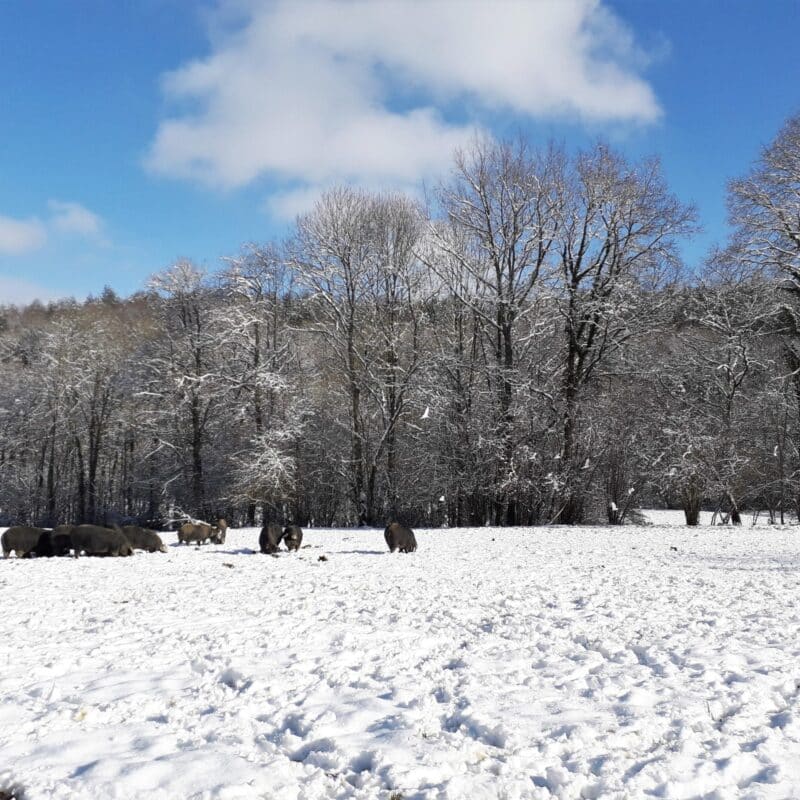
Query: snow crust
[517, 663]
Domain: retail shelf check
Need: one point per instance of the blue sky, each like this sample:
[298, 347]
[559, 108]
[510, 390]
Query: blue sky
[137, 132]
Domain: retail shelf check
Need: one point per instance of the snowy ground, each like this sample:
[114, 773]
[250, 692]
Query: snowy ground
[521, 663]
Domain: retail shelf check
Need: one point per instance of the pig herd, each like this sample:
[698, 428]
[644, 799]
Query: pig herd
[94, 540]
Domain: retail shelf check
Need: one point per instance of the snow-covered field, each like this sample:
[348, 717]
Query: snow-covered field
[519, 663]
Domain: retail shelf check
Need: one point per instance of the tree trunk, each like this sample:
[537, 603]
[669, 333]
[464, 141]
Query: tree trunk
[692, 499]
[356, 442]
[81, 512]
[735, 516]
[198, 490]
[51, 477]
[571, 508]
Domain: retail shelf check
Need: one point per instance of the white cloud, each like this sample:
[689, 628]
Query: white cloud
[18, 292]
[287, 204]
[74, 218]
[301, 91]
[19, 236]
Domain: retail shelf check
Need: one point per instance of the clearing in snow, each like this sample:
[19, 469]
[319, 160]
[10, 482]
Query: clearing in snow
[491, 663]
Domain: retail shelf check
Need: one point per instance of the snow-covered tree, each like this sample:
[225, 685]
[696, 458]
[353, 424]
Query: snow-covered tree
[491, 251]
[263, 408]
[618, 229]
[185, 386]
[355, 255]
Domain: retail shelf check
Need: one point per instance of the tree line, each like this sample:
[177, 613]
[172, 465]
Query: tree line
[525, 347]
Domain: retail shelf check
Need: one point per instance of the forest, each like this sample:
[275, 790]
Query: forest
[524, 346]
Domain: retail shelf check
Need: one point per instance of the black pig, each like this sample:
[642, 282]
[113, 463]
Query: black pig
[53, 543]
[22, 539]
[400, 538]
[144, 539]
[270, 538]
[293, 536]
[96, 541]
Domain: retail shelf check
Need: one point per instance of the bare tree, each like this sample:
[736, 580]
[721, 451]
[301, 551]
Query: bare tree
[257, 364]
[185, 385]
[491, 251]
[764, 208]
[355, 254]
[618, 226]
